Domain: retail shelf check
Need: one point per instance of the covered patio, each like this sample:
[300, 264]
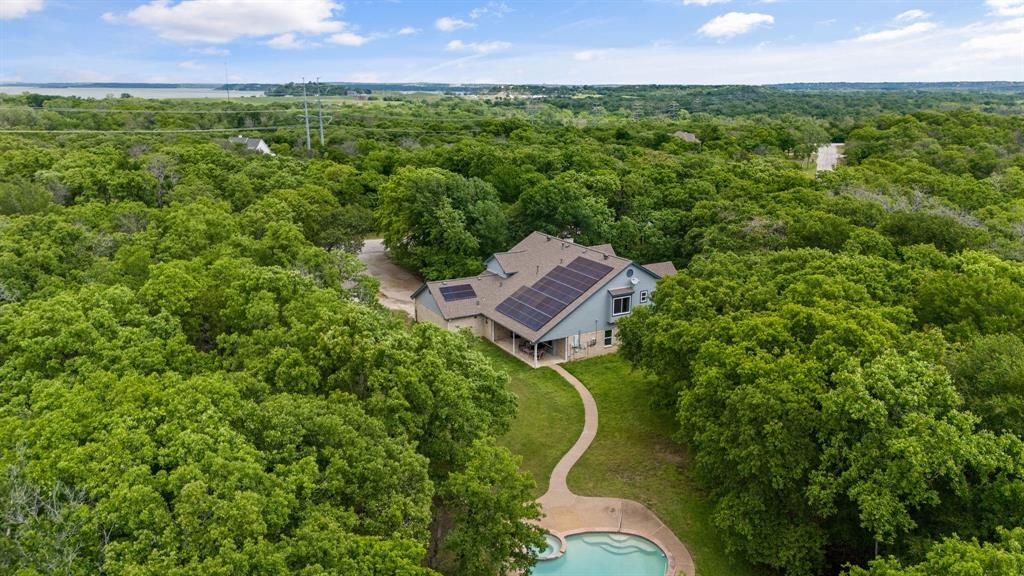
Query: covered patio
[536, 354]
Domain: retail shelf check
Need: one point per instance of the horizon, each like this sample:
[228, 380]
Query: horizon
[491, 84]
[490, 42]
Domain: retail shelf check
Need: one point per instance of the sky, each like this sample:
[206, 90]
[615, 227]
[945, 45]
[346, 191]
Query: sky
[494, 41]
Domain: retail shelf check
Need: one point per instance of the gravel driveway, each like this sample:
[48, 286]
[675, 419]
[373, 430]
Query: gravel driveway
[396, 283]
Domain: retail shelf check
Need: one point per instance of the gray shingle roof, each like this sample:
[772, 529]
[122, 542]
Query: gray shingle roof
[661, 269]
[530, 259]
[250, 143]
[686, 136]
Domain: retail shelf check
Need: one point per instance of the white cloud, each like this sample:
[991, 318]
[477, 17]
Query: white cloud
[897, 33]
[911, 15]
[211, 51]
[407, 30]
[588, 55]
[349, 39]
[1007, 7]
[996, 41]
[190, 65]
[287, 42]
[703, 2]
[11, 9]
[448, 24]
[734, 24]
[478, 47]
[220, 21]
[496, 9]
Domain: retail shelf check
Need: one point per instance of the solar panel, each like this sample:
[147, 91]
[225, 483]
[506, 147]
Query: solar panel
[571, 278]
[595, 270]
[557, 290]
[457, 292]
[522, 313]
[540, 301]
[534, 306]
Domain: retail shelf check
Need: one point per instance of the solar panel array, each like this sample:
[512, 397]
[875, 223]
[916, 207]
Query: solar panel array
[457, 292]
[534, 306]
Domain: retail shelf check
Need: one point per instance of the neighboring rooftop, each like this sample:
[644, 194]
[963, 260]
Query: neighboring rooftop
[252, 144]
[687, 136]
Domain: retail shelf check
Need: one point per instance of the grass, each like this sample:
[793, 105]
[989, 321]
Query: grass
[635, 457]
[550, 415]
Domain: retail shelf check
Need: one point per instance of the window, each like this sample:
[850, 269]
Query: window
[621, 305]
[645, 296]
[607, 337]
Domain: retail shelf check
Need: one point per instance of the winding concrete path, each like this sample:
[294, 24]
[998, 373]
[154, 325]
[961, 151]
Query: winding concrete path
[566, 513]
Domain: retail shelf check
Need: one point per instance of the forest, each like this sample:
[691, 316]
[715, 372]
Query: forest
[196, 377]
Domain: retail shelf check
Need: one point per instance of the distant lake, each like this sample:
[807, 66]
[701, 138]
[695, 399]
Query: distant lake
[94, 92]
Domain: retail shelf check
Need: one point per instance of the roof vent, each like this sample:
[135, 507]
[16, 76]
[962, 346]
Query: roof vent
[605, 256]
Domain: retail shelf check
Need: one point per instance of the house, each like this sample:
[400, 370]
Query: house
[252, 144]
[547, 300]
[686, 136]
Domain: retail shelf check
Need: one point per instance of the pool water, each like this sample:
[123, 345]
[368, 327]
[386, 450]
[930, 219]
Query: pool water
[552, 547]
[605, 554]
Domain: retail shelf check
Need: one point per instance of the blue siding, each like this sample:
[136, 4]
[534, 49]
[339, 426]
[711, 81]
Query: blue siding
[427, 299]
[493, 266]
[595, 313]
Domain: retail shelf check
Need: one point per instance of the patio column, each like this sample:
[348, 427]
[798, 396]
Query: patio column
[513, 342]
[565, 345]
[534, 354]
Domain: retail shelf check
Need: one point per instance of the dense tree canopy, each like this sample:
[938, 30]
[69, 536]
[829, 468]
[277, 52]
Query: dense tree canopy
[196, 378]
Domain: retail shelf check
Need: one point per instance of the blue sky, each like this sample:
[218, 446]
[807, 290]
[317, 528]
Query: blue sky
[552, 41]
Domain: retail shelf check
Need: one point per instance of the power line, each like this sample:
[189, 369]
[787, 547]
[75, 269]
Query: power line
[118, 110]
[305, 112]
[155, 131]
[320, 111]
[337, 108]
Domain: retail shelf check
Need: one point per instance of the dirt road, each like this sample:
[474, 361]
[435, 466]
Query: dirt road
[396, 283]
[828, 156]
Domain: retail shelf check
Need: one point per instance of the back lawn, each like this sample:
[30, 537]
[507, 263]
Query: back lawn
[550, 415]
[635, 457]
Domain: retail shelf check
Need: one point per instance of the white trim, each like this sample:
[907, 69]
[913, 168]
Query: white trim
[616, 299]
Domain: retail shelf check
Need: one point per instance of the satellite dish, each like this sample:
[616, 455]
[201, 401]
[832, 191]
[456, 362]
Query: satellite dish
[633, 281]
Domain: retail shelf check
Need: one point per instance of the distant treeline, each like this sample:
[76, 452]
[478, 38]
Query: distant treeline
[325, 89]
[898, 86]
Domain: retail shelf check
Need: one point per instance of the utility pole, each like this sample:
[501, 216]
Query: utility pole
[320, 112]
[305, 112]
[226, 85]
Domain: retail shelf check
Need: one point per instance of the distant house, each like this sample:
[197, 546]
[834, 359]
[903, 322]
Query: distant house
[252, 144]
[686, 136]
[547, 300]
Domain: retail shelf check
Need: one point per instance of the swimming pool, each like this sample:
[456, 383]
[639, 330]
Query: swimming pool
[605, 554]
